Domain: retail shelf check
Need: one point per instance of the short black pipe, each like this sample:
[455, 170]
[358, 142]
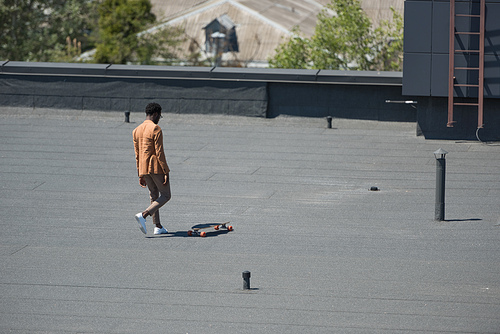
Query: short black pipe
[246, 280]
[329, 120]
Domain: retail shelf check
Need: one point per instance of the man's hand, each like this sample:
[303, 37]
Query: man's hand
[167, 177]
[142, 182]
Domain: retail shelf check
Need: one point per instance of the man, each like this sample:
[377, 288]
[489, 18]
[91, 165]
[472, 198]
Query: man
[152, 167]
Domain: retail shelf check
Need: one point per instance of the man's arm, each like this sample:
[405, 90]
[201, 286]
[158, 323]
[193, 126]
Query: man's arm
[136, 149]
[142, 181]
[160, 153]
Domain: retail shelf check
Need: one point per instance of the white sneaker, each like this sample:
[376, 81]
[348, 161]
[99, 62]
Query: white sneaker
[160, 231]
[142, 222]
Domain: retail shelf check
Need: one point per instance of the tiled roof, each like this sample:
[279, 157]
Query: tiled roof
[261, 25]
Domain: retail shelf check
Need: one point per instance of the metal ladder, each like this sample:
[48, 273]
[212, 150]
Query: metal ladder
[480, 69]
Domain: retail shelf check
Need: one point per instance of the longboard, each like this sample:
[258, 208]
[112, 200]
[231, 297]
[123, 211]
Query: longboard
[195, 230]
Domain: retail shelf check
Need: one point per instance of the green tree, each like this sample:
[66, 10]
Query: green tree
[120, 21]
[38, 30]
[389, 44]
[293, 53]
[344, 39]
[162, 44]
[122, 37]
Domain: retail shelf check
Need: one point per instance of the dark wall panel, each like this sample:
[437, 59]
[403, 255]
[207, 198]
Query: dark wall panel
[417, 74]
[492, 27]
[418, 24]
[440, 27]
[439, 75]
[342, 101]
[492, 76]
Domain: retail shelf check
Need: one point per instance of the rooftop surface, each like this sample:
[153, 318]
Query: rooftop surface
[326, 254]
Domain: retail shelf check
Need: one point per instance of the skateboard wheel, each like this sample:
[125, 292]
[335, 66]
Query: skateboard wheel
[229, 228]
[190, 233]
[216, 227]
[203, 234]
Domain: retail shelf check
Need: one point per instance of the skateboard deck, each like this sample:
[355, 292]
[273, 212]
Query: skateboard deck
[195, 230]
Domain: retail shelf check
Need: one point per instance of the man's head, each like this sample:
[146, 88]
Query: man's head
[153, 112]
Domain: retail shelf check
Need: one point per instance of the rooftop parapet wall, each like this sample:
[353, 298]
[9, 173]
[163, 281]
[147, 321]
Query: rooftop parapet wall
[204, 90]
[202, 73]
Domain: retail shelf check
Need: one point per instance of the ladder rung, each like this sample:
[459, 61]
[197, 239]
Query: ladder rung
[467, 68]
[468, 15]
[465, 85]
[465, 104]
[467, 50]
[467, 33]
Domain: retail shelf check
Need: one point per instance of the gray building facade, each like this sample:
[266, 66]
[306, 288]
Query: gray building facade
[426, 66]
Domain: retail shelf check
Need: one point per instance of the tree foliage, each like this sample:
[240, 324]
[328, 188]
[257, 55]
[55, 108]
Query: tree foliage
[121, 41]
[38, 30]
[389, 47]
[119, 23]
[344, 39]
[293, 53]
[161, 46]
[341, 41]
[58, 31]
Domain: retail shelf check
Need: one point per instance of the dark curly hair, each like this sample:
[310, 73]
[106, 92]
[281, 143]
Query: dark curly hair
[152, 108]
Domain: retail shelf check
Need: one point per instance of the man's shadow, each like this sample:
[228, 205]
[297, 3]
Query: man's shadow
[463, 220]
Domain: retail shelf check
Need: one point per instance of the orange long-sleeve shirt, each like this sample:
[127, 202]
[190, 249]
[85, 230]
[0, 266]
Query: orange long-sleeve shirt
[149, 153]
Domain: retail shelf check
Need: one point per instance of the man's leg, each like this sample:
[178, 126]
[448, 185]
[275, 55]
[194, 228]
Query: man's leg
[159, 194]
[154, 193]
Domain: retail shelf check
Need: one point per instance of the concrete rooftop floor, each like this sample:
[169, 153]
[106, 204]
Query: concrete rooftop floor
[326, 255]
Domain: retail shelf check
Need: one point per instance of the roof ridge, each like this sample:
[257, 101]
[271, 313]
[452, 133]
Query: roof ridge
[260, 16]
[215, 4]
